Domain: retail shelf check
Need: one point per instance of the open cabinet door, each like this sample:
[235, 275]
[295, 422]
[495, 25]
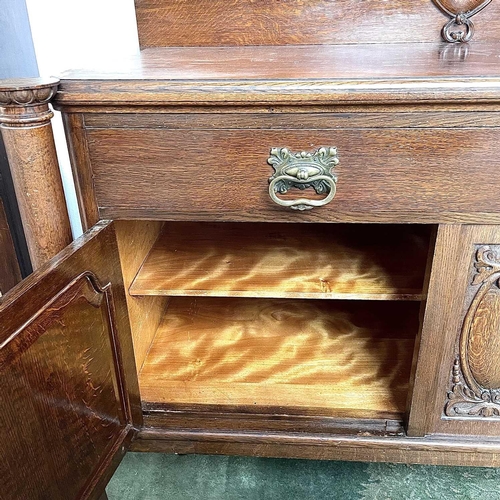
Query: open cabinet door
[69, 399]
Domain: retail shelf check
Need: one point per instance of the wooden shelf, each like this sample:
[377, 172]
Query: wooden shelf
[286, 261]
[341, 357]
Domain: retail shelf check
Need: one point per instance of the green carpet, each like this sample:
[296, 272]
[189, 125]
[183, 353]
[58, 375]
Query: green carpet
[151, 476]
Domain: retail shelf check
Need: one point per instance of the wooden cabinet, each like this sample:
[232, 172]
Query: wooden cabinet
[204, 316]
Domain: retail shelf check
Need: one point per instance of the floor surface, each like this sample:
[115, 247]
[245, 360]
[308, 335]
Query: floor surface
[151, 476]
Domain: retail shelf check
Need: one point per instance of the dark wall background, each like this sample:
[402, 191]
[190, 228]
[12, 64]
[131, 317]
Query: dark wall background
[17, 60]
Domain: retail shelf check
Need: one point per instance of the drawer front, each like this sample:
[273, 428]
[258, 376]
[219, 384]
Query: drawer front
[392, 174]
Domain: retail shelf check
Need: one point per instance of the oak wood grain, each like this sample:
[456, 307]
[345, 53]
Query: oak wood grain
[29, 143]
[135, 239]
[273, 22]
[353, 358]
[335, 62]
[375, 216]
[435, 451]
[449, 297]
[484, 341]
[325, 74]
[418, 133]
[69, 396]
[450, 106]
[37, 182]
[460, 6]
[409, 175]
[301, 118]
[216, 418]
[285, 260]
[81, 168]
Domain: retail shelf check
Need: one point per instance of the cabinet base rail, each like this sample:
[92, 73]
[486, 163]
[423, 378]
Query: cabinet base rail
[432, 450]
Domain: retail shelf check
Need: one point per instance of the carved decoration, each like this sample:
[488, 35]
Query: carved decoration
[476, 372]
[464, 402]
[303, 170]
[25, 102]
[27, 97]
[460, 28]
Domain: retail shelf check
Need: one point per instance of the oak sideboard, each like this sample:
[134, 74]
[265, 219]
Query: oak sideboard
[292, 243]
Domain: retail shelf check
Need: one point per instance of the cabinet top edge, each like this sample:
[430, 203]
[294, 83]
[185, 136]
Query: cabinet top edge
[309, 73]
[275, 92]
[300, 62]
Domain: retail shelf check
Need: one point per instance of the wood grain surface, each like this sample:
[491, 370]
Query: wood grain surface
[69, 395]
[449, 297]
[286, 260]
[403, 175]
[275, 22]
[81, 168]
[135, 239]
[160, 417]
[39, 192]
[325, 74]
[350, 357]
[29, 143]
[301, 119]
[294, 63]
[484, 341]
[361, 448]
[10, 273]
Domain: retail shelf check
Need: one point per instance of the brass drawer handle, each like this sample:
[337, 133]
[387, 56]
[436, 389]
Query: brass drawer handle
[303, 170]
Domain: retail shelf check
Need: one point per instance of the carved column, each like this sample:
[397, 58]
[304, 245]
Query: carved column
[27, 132]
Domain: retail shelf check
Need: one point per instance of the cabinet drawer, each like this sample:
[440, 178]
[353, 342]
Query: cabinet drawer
[215, 171]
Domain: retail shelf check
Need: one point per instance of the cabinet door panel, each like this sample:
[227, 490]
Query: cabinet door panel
[457, 380]
[69, 400]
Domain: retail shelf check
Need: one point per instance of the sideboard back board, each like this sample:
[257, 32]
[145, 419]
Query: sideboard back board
[181, 23]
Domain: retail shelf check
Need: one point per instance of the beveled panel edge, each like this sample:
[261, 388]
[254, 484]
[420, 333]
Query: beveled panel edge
[49, 267]
[59, 301]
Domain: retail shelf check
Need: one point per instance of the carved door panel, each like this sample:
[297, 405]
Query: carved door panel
[69, 395]
[457, 378]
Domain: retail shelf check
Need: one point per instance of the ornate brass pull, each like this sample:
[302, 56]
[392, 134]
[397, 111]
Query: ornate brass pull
[303, 170]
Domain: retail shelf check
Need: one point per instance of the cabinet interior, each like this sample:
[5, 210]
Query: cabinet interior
[318, 318]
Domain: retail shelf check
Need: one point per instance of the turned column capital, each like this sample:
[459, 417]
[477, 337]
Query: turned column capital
[27, 134]
[25, 102]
